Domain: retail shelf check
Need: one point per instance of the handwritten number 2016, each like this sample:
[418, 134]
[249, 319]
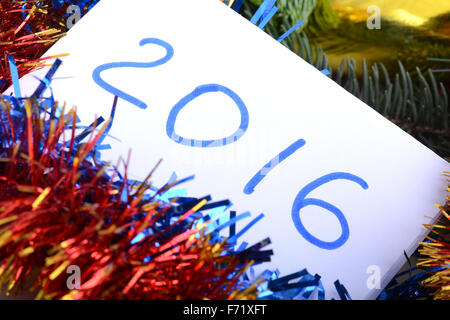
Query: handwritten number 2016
[300, 201]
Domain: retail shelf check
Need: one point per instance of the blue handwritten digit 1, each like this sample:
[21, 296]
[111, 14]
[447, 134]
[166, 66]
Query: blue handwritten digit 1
[96, 75]
[203, 89]
[261, 174]
[301, 201]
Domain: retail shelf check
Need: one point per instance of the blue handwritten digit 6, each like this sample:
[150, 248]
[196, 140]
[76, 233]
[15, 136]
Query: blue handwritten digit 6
[207, 88]
[121, 94]
[301, 201]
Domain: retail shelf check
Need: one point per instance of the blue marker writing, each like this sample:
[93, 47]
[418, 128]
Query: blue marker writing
[301, 201]
[96, 75]
[203, 89]
[261, 174]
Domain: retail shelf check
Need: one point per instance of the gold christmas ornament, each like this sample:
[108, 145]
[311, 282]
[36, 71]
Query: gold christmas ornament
[384, 31]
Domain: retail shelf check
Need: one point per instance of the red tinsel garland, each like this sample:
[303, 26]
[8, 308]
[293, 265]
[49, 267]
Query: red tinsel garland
[437, 254]
[59, 208]
[27, 30]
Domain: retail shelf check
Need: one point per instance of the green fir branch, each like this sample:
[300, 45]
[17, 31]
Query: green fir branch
[419, 104]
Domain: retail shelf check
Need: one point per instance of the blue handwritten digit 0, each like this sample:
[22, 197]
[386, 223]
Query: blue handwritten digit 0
[207, 88]
[121, 94]
[301, 201]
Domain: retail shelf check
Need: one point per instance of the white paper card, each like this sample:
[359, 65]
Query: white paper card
[223, 105]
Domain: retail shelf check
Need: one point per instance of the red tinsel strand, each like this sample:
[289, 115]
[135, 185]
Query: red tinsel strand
[27, 30]
[436, 252]
[58, 208]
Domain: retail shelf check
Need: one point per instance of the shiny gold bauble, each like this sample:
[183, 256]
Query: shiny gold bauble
[410, 31]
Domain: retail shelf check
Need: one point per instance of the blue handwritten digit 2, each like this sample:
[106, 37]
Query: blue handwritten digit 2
[96, 75]
[170, 128]
[301, 201]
